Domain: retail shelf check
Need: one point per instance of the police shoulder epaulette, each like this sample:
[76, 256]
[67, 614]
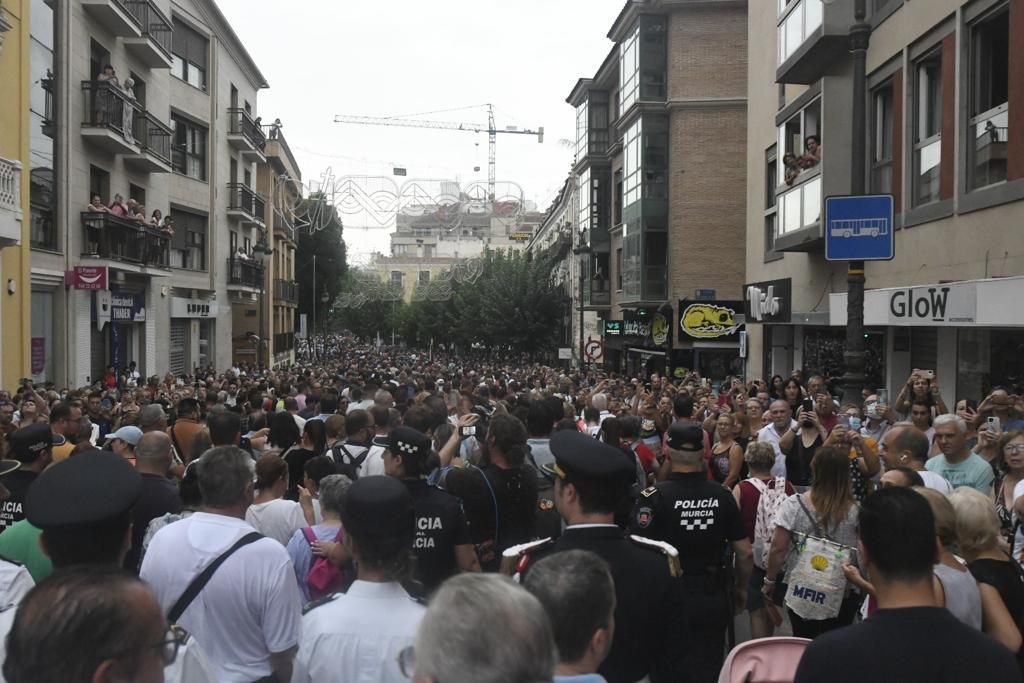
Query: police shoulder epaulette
[318, 603]
[649, 491]
[516, 558]
[666, 549]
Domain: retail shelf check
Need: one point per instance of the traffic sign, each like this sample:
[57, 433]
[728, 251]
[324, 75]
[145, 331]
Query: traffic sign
[594, 350]
[859, 228]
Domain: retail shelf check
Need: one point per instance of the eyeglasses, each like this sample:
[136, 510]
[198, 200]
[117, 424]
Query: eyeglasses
[175, 637]
[1013, 448]
[407, 661]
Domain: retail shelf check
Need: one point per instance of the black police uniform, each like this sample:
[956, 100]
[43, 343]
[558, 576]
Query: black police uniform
[650, 636]
[440, 527]
[24, 445]
[699, 518]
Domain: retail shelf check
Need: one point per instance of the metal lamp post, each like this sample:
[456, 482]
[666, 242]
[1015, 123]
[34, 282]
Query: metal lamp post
[582, 250]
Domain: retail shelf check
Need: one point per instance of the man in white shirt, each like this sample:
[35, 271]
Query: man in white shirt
[248, 616]
[904, 445]
[358, 636]
[782, 422]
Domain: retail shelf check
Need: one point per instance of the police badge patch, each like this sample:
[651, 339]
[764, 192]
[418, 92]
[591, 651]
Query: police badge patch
[643, 517]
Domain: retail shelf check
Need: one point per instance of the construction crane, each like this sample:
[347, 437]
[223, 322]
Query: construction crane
[491, 130]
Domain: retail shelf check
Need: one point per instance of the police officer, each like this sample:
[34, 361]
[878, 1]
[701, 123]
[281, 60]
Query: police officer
[32, 447]
[700, 519]
[650, 639]
[442, 545]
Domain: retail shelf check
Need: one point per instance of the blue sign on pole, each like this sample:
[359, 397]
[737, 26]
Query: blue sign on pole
[859, 228]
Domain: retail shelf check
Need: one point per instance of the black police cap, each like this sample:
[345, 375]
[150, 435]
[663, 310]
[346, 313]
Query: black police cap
[581, 454]
[84, 489]
[407, 442]
[378, 506]
[685, 437]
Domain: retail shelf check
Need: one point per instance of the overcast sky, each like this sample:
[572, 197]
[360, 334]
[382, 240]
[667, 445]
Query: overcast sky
[327, 57]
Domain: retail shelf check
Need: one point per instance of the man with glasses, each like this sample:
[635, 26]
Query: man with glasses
[359, 635]
[103, 624]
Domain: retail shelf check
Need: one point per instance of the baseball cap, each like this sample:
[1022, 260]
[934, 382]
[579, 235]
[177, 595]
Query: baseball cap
[25, 445]
[685, 437]
[128, 434]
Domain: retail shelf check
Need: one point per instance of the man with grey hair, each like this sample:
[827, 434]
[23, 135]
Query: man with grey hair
[782, 422]
[578, 593]
[600, 402]
[904, 445]
[957, 464]
[247, 616]
[159, 496]
[483, 628]
[152, 418]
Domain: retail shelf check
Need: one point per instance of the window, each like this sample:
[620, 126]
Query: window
[424, 278]
[586, 198]
[989, 125]
[189, 154]
[188, 244]
[39, 174]
[189, 51]
[629, 66]
[927, 128]
[397, 278]
[633, 178]
[582, 130]
[798, 25]
[428, 251]
[793, 136]
[99, 184]
[232, 243]
[882, 123]
[642, 63]
[617, 219]
[137, 193]
[99, 57]
[618, 269]
[771, 184]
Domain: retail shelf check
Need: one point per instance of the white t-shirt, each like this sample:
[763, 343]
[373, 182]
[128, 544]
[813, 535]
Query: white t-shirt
[771, 435]
[1018, 535]
[934, 480]
[15, 582]
[278, 519]
[357, 636]
[251, 606]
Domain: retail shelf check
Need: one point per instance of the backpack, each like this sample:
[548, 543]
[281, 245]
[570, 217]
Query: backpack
[348, 464]
[768, 506]
[323, 578]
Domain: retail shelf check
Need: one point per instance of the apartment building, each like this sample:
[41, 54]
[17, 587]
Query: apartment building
[943, 96]
[280, 180]
[554, 238]
[659, 161]
[152, 101]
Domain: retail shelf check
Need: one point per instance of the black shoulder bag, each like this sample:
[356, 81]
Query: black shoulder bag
[204, 576]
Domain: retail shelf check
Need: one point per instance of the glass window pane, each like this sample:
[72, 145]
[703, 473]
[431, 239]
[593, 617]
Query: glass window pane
[812, 16]
[812, 202]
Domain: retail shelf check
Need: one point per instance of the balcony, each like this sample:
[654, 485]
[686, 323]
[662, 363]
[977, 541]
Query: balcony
[10, 202]
[283, 224]
[286, 291]
[799, 208]
[988, 147]
[246, 205]
[153, 138]
[245, 272]
[153, 46]
[284, 341]
[114, 15]
[113, 238]
[109, 118]
[245, 135]
[812, 35]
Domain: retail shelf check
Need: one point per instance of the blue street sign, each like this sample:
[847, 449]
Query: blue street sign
[859, 228]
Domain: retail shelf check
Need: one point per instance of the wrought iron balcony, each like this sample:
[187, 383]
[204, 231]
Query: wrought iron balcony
[286, 291]
[246, 204]
[109, 117]
[154, 140]
[153, 46]
[112, 237]
[245, 134]
[245, 272]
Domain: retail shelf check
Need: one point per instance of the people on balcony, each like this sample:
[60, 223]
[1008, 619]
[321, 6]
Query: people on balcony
[275, 129]
[812, 155]
[792, 166]
[129, 110]
[118, 207]
[104, 102]
[92, 232]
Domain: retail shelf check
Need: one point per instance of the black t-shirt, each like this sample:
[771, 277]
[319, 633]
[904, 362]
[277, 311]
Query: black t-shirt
[12, 509]
[440, 526]
[908, 644]
[159, 496]
[513, 493]
[695, 515]
[1008, 580]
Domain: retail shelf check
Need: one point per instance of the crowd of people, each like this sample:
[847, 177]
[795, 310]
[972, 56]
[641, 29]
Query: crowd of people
[383, 514]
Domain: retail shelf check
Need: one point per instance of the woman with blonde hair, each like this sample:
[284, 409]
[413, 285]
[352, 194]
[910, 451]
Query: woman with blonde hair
[999, 578]
[828, 506]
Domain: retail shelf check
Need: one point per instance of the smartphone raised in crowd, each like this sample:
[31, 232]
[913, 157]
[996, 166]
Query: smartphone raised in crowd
[994, 425]
[467, 431]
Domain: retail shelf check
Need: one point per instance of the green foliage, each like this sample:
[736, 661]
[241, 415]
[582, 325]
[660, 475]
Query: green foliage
[513, 304]
[327, 244]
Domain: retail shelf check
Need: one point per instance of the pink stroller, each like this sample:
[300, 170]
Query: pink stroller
[765, 660]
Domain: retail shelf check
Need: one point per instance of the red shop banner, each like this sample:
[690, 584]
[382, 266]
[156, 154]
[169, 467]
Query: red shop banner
[87, 277]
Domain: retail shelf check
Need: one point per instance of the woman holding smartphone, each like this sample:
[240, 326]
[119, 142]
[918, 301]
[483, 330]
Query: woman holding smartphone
[922, 385]
[799, 446]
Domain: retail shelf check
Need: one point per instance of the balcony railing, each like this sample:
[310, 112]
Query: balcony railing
[286, 291]
[241, 123]
[106, 106]
[284, 341]
[154, 25]
[988, 147]
[245, 271]
[799, 206]
[10, 200]
[243, 199]
[122, 239]
[153, 136]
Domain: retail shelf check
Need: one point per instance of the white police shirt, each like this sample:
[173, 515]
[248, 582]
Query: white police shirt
[15, 582]
[250, 608]
[356, 637]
